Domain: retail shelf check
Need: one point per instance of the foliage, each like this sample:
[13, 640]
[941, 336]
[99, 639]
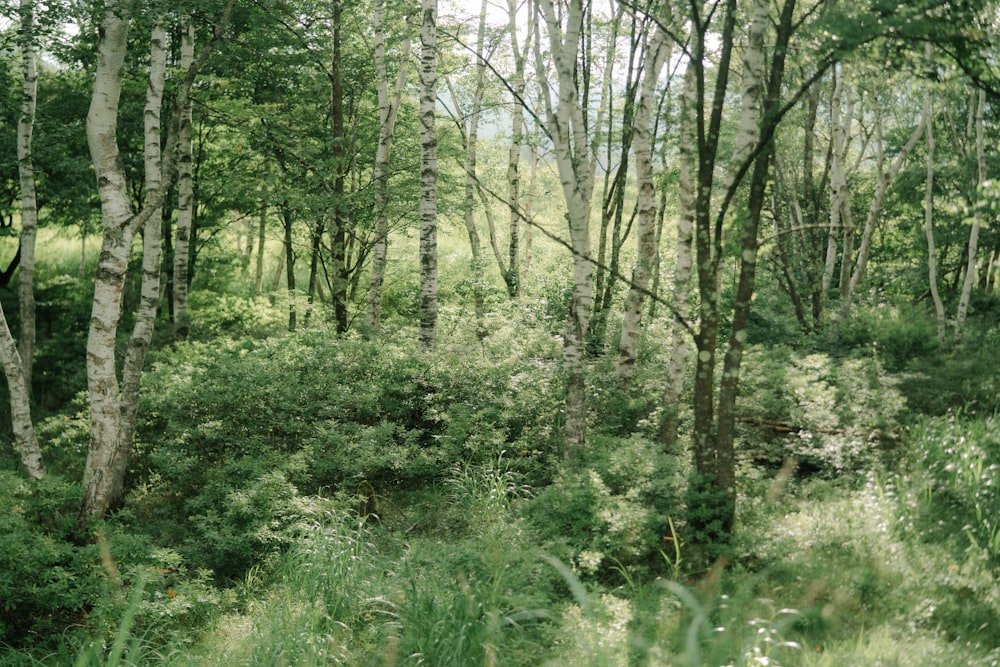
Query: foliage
[236, 434]
[835, 416]
[612, 508]
[48, 582]
[957, 461]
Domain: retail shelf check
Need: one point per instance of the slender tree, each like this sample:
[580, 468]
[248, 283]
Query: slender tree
[932, 274]
[388, 112]
[428, 176]
[110, 407]
[659, 48]
[973, 245]
[185, 196]
[567, 129]
[16, 367]
[26, 177]
[468, 127]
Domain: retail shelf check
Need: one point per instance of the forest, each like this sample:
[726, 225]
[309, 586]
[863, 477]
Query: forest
[500, 332]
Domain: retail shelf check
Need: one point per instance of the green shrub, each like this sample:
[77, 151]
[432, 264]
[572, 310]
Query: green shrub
[220, 424]
[611, 509]
[48, 581]
[833, 415]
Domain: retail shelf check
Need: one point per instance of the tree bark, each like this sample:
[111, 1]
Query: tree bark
[970, 269]
[26, 176]
[929, 205]
[428, 176]
[884, 181]
[338, 234]
[567, 129]
[729, 383]
[258, 281]
[659, 49]
[286, 216]
[185, 196]
[149, 301]
[388, 111]
[101, 488]
[512, 273]
[680, 345]
[16, 363]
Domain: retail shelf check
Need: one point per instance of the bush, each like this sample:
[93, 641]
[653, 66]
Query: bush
[611, 509]
[48, 582]
[834, 416]
[266, 423]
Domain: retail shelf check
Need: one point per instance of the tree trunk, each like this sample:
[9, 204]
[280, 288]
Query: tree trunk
[185, 196]
[16, 364]
[568, 131]
[258, 280]
[883, 182]
[315, 248]
[101, 488]
[470, 135]
[659, 49]
[680, 345]
[511, 275]
[613, 195]
[970, 269]
[929, 206]
[338, 234]
[286, 215]
[428, 176]
[388, 110]
[149, 301]
[26, 175]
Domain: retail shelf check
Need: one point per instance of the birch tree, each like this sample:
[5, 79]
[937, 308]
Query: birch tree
[883, 181]
[467, 124]
[567, 129]
[970, 267]
[16, 362]
[112, 403]
[680, 340]
[388, 112]
[428, 176]
[932, 277]
[659, 48]
[512, 273]
[185, 196]
[26, 178]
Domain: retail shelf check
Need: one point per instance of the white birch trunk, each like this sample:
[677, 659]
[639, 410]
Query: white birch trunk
[970, 268]
[149, 298]
[185, 195]
[512, 274]
[751, 89]
[258, 279]
[428, 176]
[17, 363]
[628, 345]
[29, 203]
[680, 343]
[102, 380]
[838, 182]
[103, 478]
[846, 217]
[388, 111]
[574, 160]
[471, 178]
[929, 206]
